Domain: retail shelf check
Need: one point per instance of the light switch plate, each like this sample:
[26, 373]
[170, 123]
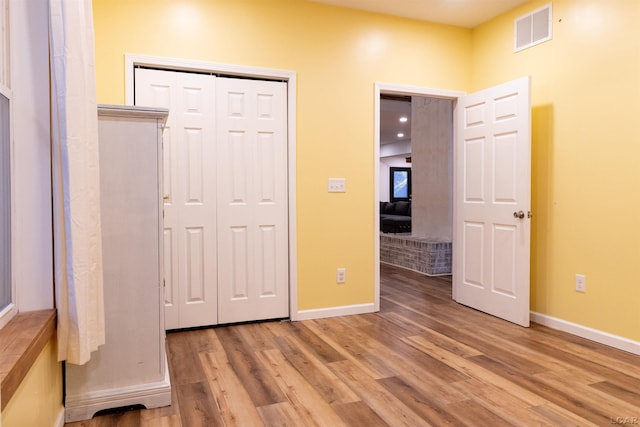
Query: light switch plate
[337, 185]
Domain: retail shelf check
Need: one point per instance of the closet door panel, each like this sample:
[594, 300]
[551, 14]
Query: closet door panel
[253, 279]
[189, 192]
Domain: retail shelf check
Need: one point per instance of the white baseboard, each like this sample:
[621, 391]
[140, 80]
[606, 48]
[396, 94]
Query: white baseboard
[60, 418]
[345, 310]
[601, 337]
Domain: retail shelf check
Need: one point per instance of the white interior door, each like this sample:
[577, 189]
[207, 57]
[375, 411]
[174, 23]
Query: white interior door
[190, 247]
[492, 201]
[253, 280]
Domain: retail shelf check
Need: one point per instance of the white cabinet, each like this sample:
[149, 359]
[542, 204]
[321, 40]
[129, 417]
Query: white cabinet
[131, 368]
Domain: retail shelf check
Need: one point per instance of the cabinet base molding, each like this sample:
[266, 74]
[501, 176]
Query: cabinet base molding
[151, 395]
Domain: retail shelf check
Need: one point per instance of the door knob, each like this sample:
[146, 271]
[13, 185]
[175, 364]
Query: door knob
[518, 214]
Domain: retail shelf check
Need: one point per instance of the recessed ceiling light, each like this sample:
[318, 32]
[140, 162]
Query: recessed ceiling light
[403, 119]
[400, 135]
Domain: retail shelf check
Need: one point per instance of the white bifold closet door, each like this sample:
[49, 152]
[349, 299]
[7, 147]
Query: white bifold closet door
[225, 180]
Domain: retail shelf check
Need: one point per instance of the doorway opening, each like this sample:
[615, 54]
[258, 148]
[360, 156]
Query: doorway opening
[414, 130]
[416, 208]
[491, 176]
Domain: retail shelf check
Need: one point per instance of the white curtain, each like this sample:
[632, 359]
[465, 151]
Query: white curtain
[76, 181]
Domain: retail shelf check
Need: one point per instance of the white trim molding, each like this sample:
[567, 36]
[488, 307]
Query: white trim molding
[133, 60]
[59, 422]
[601, 337]
[179, 64]
[345, 310]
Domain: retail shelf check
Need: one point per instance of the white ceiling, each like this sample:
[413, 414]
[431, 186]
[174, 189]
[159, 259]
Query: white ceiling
[390, 125]
[461, 13]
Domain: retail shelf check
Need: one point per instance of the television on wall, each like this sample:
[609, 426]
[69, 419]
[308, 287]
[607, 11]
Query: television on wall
[399, 184]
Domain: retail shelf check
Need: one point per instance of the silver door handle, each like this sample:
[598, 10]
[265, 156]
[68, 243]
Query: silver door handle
[518, 214]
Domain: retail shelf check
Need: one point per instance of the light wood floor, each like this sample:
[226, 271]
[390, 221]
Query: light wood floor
[422, 360]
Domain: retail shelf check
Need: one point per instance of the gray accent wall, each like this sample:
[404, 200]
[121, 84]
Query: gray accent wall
[431, 153]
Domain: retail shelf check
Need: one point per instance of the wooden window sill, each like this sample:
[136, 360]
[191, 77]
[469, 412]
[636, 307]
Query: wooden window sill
[21, 341]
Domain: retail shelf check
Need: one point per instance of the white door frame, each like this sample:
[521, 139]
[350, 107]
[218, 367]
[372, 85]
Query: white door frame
[393, 89]
[132, 60]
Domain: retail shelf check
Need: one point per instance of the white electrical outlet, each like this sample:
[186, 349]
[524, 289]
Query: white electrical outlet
[341, 275]
[581, 283]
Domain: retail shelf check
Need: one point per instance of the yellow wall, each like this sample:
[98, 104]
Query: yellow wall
[38, 400]
[337, 54]
[585, 155]
[585, 151]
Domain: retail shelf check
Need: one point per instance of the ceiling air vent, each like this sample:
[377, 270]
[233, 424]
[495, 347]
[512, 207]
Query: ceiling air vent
[533, 28]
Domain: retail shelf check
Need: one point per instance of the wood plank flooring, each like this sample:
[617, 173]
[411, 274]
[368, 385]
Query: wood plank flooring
[422, 360]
